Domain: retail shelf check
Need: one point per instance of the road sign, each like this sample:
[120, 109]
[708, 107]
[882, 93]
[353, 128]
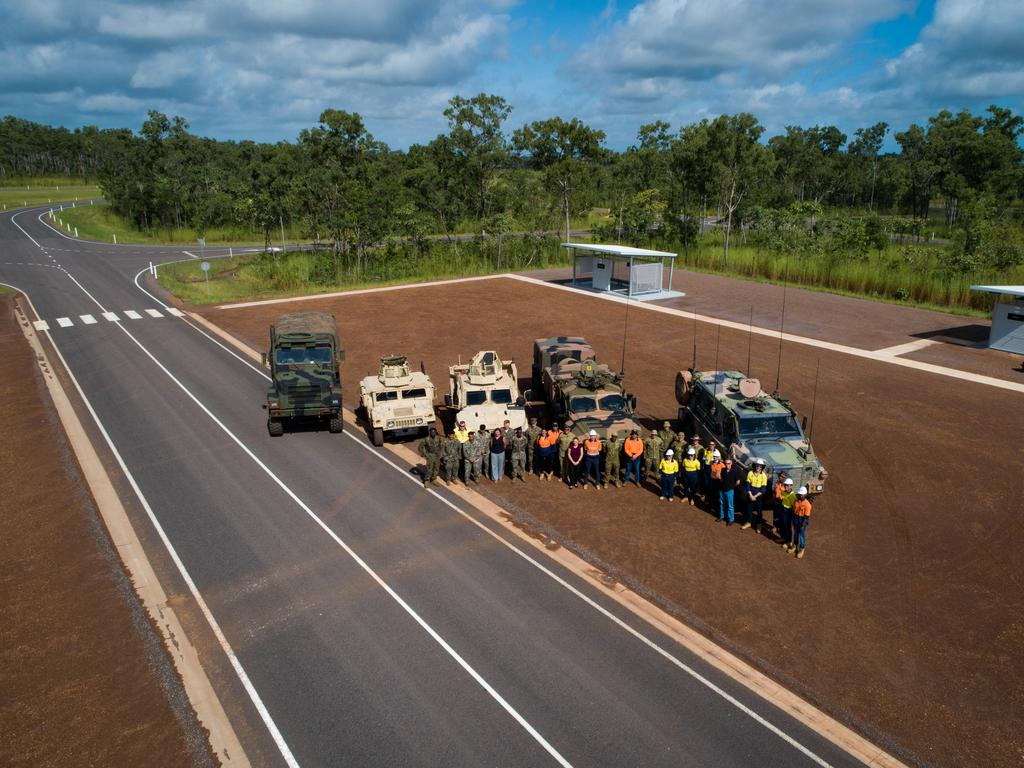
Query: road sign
[202, 241]
[206, 266]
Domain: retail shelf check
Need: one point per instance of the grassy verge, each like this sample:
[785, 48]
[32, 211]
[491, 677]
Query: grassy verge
[19, 193]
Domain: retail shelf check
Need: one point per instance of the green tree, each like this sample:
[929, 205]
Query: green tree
[477, 141]
[866, 146]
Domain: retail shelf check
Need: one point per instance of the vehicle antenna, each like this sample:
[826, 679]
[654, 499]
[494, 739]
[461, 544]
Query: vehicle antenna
[750, 336]
[693, 367]
[814, 400]
[718, 341]
[782, 325]
[625, 326]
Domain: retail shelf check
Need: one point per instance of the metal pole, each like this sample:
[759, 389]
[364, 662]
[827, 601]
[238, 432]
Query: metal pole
[671, 269]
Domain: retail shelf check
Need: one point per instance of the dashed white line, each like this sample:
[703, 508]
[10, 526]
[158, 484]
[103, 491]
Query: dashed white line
[88, 319]
[175, 311]
[40, 325]
[112, 317]
[153, 313]
[131, 314]
[902, 349]
[64, 322]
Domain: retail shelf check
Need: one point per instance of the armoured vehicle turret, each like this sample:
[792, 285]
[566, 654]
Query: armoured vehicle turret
[733, 410]
[398, 400]
[579, 388]
[486, 391]
[304, 382]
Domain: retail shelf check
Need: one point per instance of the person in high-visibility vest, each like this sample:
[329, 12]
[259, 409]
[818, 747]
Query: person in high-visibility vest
[460, 432]
[691, 475]
[707, 458]
[801, 519]
[592, 460]
[547, 448]
[634, 448]
[788, 502]
[669, 469]
[777, 491]
[713, 484]
[757, 488]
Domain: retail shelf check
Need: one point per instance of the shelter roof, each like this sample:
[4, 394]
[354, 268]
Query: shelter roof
[625, 251]
[1009, 290]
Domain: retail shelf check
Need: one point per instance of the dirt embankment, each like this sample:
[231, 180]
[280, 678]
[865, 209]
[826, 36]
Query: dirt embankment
[906, 618]
[83, 674]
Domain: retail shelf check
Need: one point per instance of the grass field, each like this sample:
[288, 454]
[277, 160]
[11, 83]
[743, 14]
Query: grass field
[20, 193]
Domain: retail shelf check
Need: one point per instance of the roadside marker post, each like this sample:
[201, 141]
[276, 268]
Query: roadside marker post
[76, 231]
[206, 271]
[115, 238]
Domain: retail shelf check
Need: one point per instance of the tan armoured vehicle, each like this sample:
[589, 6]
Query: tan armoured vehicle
[398, 400]
[486, 391]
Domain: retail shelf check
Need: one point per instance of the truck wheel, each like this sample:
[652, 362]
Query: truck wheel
[275, 428]
[378, 436]
[336, 424]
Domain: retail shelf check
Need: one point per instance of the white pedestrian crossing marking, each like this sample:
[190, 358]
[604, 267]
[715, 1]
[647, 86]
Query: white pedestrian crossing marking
[41, 325]
[88, 319]
[153, 313]
[175, 311]
[131, 314]
[110, 316]
[64, 322]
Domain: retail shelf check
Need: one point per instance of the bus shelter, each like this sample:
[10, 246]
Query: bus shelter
[635, 273]
[1007, 332]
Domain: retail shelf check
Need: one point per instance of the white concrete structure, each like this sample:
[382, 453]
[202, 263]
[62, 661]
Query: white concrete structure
[1007, 331]
[636, 273]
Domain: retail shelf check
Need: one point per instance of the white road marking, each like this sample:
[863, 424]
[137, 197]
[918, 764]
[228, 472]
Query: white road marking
[191, 255]
[64, 322]
[88, 319]
[902, 349]
[131, 314]
[153, 313]
[175, 311]
[111, 317]
[41, 325]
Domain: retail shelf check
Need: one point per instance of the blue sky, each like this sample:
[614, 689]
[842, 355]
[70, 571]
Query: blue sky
[264, 69]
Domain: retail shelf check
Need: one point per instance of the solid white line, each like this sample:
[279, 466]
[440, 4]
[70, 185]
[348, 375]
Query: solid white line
[41, 325]
[111, 316]
[902, 349]
[192, 255]
[88, 319]
[193, 589]
[153, 313]
[64, 322]
[175, 311]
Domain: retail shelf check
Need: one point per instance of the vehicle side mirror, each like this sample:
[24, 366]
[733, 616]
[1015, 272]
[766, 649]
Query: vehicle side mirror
[520, 402]
[263, 358]
[341, 355]
[448, 401]
[527, 395]
[803, 423]
[632, 402]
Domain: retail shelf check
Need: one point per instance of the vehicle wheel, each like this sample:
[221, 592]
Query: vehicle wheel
[275, 428]
[378, 436]
[336, 424]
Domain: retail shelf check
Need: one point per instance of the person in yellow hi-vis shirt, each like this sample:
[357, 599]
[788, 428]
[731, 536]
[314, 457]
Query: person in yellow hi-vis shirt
[788, 501]
[757, 489]
[691, 476]
[669, 469]
[460, 432]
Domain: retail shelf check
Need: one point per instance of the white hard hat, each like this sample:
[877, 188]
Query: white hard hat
[801, 491]
[716, 455]
[593, 433]
[668, 452]
[788, 481]
[691, 452]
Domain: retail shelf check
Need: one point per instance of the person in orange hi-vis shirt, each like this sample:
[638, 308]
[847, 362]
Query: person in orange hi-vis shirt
[592, 462]
[634, 448]
[801, 519]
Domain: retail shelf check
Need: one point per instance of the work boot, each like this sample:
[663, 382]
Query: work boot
[799, 554]
[785, 546]
[744, 526]
[585, 486]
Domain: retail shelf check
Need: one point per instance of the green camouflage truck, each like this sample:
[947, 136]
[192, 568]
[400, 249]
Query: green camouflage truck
[733, 410]
[305, 383]
[579, 388]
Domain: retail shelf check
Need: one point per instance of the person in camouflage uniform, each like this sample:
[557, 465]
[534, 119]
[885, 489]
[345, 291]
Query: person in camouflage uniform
[678, 446]
[668, 437]
[652, 454]
[452, 459]
[564, 439]
[473, 458]
[612, 461]
[431, 449]
[518, 444]
[532, 433]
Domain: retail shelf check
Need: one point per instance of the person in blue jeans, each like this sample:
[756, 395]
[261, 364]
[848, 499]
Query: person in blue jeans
[731, 479]
[669, 469]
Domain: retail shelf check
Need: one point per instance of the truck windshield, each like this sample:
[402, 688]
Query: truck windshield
[476, 397]
[769, 426]
[304, 356]
[613, 403]
[413, 393]
[501, 396]
[582, 404]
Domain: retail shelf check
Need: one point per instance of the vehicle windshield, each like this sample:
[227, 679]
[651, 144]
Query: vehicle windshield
[413, 394]
[582, 404]
[769, 426]
[613, 403]
[501, 396]
[304, 356]
[383, 397]
[477, 397]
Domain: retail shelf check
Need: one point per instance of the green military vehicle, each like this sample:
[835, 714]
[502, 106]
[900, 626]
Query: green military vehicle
[579, 388]
[733, 410]
[305, 383]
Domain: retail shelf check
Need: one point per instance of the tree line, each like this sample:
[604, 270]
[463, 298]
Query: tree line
[342, 187]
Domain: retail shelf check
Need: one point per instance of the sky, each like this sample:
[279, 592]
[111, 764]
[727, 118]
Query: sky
[266, 69]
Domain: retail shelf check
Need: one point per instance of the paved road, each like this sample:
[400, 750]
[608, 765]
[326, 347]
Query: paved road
[374, 623]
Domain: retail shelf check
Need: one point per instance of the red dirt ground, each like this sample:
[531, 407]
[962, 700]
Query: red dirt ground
[83, 674]
[906, 618]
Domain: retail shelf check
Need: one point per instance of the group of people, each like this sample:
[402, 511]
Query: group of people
[687, 466]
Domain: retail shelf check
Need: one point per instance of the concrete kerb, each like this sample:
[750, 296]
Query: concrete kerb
[727, 663]
[209, 711]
